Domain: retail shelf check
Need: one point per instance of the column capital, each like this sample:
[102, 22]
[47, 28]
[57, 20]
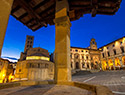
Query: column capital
[62, 21]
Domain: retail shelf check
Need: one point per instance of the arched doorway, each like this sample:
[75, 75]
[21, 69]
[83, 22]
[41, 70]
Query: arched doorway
[117, 62]
[123, 60]
[104, 65]
[77, 65]
[110, 62]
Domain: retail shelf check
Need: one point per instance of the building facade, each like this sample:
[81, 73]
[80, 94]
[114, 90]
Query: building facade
[85, 58]
[6, 71]
[34, 63]
[113, 55]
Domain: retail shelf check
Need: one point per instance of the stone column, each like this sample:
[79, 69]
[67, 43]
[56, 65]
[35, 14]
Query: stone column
[5, 9]
[113, 60]
[121, 61]
[62, 43]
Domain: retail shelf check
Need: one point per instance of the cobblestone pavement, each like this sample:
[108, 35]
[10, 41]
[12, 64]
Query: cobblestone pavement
[114, 80]
[45, 90]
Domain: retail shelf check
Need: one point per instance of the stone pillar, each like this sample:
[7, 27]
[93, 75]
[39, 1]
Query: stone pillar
[121, 61]
[5, 9]
[62, 43]
[113, 60]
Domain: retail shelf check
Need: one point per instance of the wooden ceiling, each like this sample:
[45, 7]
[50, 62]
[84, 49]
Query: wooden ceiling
[38, 13]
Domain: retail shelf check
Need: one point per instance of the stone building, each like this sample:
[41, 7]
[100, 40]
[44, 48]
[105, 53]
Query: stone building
[6, 71]
[34, 63]
[113, 55]
[85, 58]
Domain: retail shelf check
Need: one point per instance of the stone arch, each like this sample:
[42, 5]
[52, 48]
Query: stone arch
[123, 60]
[104, 65]
[117, 62]
[110, 63]
[76, 56]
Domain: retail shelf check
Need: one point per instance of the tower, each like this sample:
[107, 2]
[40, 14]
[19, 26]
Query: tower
[93, 44]
[28, 43]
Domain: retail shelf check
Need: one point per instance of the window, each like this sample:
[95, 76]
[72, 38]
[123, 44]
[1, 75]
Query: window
[71, 64]
[81, 50]
[76, 50]
[86, 57]
[19, 70]
[114, 52]
[76, 56]
[113, 45]
[30, 65]
[103, 55]
[70, 49]
[121, 43]
[46, 65]
[38, 49]
[122, 49]
[107, 47]
[86, 51]
[83, 57]
[83, 65]
[108, 53]
[38, 65]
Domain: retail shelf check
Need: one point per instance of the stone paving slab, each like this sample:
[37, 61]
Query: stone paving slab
[45, 90]
[114, 80]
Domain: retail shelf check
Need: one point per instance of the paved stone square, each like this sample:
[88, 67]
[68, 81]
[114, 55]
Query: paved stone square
[114, 80]
[45, 90]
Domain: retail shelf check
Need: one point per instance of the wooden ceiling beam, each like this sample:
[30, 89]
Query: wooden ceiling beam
[94, 4]
[30, 11]
[47, 10]
[40, 4]
[22, 16]
[15, 9]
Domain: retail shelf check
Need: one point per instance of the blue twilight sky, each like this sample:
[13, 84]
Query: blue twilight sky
[102, 27]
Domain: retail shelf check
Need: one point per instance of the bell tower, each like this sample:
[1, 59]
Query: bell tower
[93, 44]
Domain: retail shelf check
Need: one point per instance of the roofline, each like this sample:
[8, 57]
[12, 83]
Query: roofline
[85, 48]
[111, 42]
